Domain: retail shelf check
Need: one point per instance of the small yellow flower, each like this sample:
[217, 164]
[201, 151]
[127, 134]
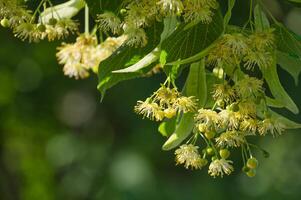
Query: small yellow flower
[249, 125]
[229, 119]
[172, 7]
[230, 139]
[247, 109]
[208, 117]
[150, 110]
[249, 87]
[219, 167]
[108, 21]
[224, 92]
[166, 95]
[269, 125]
[186, 104]
[189, 156]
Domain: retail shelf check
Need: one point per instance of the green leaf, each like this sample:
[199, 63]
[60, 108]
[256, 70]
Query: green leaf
[261, 20]
[228, 15]
[195, 86]
[190, 39]
[289, 124]
[123, 57]
[166, 128]
[142, 63]
[291, 64]
[170, 25]
[65, 10]
[287, 41]
[272, 79]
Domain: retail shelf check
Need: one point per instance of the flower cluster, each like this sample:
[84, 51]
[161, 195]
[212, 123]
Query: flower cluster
[166, 102]
[139, 14]
[256, 49]
[26, 26]
[239, 109]
[86, 54]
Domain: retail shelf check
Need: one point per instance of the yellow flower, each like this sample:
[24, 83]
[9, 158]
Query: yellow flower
[269, 125]
[166, 95]
[189, 156]
[249, 87]
[150, 110]
[219, 167]
[249, 125]
[230, 139]
[247, 109]
[108, 21]
[172, 7]
[186, 104]
[224, 92]
[208, 117]
[229, 119]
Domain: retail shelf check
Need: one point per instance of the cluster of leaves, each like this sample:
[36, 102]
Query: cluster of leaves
[222, 102]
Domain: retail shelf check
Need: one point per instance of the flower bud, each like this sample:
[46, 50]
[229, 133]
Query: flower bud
[169, 113]
[251, 173]
[41, 27]
[5, 22]
[52, 21]
[210, 151]
[224, 153]
[209, 134]
[252, 163]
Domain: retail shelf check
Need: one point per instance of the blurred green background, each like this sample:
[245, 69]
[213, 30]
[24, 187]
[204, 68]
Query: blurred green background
[59, 142]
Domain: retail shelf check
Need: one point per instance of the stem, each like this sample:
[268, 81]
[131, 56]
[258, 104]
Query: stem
[86, 19]
[35, 12]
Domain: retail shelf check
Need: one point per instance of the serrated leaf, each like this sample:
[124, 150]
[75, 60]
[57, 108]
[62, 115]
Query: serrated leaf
[189, 40]
[271, 76]
[122, 57]
[194, 86]
[290, 64]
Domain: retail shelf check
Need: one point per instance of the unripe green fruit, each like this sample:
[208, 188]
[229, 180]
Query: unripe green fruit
[41, 27]
[224, 153]
[52, 21]
[252, 163]
[209, 134]
[210, 151]
[123, 11]
[214, 158]
[215, 71]
[251, 173]
[220, 73]
[245, 169]
[5, 22]
[235, 107]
